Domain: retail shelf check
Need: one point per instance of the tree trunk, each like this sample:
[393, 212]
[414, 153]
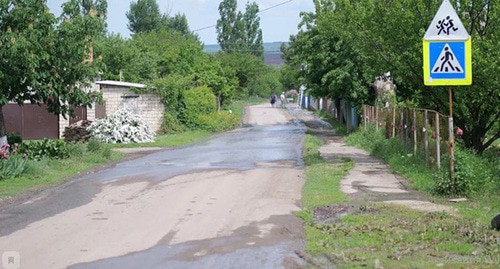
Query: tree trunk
[2, 123]
[3, 137]
[337, 108]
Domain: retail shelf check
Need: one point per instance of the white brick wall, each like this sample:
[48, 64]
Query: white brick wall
[148, 106]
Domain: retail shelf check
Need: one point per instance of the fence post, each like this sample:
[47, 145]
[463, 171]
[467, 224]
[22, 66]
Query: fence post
[371, 114]
[438, 143]
[426, 137]
[364, 115]
[406, 126]
[401, 124]
[348, 116]
[376, 118]
[451, 139]
[414, 132]
[393, 122]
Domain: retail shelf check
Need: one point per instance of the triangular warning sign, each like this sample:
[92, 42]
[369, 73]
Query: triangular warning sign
[446, 25]
[447, 62]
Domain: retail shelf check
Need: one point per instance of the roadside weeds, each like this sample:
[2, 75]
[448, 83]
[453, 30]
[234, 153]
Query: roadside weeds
[361, 234]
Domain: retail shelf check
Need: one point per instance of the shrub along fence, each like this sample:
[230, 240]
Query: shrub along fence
[420, 130]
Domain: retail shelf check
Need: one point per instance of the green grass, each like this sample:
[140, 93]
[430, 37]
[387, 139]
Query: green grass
[402, 238]
[393, 236]
[237, 106]
[170, 140]
[323, 179]
[481, 206]
[47, 172]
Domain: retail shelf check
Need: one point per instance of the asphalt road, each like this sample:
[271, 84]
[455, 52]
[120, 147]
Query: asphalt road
[227, 202]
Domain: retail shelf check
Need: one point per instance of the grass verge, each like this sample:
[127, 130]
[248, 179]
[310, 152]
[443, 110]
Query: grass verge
[170, 140]
[388, 236]
[482, 205]
[49, 172]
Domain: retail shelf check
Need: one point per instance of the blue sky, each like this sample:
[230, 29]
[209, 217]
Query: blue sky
[277, 24]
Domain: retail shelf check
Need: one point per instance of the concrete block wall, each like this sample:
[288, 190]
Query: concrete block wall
[148, 106]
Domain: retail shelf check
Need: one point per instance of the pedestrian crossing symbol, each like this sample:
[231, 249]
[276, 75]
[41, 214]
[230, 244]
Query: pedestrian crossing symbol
[447, 63]
[447, 50]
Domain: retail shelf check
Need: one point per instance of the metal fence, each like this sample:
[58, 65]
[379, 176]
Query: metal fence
[421, 131]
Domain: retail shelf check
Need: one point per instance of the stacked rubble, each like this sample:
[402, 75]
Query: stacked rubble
[77, 132]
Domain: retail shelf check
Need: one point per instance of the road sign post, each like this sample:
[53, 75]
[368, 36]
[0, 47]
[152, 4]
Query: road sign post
[447, 49]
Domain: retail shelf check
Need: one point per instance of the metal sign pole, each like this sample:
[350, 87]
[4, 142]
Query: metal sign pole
[451, 139]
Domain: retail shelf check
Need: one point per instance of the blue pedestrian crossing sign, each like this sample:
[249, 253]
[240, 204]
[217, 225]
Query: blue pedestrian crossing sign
[447, 50]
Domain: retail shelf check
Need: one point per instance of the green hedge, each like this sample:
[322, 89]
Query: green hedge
[217, 121]
[197, 101]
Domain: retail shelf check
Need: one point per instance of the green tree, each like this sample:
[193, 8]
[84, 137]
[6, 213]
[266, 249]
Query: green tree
[266, 83]
[177, 23]
[359, 40]
[239, 32]
[144, 16]
[45, 60]
[226, 25]
[246, 68]
[253, 33]
[219, 78]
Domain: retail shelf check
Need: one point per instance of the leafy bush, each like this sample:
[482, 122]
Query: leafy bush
[37, 150]
[472, 175]
[217, 121]
[171, 124]
[197, 101]
[12, 167]
[14, 138]
[122, 127]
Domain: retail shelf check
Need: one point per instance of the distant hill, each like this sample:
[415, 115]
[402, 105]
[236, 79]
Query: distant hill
[272, 52]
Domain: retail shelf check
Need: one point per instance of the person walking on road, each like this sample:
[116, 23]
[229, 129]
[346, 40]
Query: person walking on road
[273, 99]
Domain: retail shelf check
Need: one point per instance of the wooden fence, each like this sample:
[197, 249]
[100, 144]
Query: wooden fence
[420, 130]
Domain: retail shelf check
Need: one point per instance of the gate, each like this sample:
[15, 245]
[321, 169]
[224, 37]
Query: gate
[31, 121]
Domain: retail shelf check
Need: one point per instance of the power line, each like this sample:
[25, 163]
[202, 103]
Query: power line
[277, 5]
[260, 11]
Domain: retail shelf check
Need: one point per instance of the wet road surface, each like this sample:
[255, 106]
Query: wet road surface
[227, 202]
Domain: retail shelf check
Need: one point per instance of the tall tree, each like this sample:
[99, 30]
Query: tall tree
[237, 31]
[347, 43]
[178, 23]
[45, 60]
[226, 25]
[253, 33]
[144, 16]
